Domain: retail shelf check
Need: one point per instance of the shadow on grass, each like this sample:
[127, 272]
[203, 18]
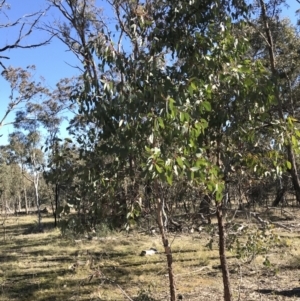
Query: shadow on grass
[25, 286]
[6, 258]
[23, 246]
[24, 228]
[295, 292]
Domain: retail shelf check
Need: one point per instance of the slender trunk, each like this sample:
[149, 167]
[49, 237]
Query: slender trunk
[167, 248]
[293, 172]
[223, 260]
[19, 202]
[16, 204]
[279, 197]
[25, 200]
[36, 186]
[56, 203]
[5, 204]
[290, 153]
[24, 187]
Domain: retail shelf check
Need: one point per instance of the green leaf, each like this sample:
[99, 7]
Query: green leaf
[288, 164]
[219, 196]
[297, 133]
[206, 105]
[171, 103]
[169, 178]
[294, 140]
[161, 122]
[179, 161]
[210, 187]
[193, 85]
[158, 168]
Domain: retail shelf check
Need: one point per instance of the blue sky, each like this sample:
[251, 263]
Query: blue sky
[51, 61]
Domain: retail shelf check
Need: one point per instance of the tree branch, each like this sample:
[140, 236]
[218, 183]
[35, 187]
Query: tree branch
[23, 33]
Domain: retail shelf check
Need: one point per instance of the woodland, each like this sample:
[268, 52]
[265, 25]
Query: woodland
[183, 119]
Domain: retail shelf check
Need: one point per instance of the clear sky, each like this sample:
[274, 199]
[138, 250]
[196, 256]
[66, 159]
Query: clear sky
[51, 61]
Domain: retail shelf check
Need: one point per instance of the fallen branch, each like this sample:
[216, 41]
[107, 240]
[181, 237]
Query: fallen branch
[282, 226]
[258, 218]
[264, 222]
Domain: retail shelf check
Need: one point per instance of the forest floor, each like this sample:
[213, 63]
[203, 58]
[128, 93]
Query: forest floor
[46, 266]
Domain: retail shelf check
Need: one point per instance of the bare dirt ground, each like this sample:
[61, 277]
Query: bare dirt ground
[48, 267]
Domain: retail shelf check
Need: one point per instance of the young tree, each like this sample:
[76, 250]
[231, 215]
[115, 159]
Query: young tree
[161, 107]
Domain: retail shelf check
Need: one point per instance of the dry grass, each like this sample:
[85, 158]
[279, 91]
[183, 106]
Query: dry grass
[46, 267]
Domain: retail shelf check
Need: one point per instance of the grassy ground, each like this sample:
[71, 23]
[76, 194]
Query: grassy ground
[47, 266]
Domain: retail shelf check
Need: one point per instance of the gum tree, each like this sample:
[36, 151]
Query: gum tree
[164, 102]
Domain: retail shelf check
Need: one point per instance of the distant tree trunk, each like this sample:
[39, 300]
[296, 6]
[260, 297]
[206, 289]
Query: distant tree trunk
[5, 204]
[37, 200]
[16, 205]
[19, 205]
[56, 203]
[223, 259]
[25, 200]
[167, 248]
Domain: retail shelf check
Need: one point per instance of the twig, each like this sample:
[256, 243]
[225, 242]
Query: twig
[262, 222]
[123, 292]
[282, 226]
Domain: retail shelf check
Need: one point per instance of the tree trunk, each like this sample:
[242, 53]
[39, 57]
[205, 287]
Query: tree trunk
[167, 248]
[36, 187]
[293, 172]
[26, 200]
[56, 203]
[223, 260]
[19, 202]
[279, 197]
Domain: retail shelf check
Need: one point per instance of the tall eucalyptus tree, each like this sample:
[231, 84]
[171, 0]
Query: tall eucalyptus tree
[156, 96]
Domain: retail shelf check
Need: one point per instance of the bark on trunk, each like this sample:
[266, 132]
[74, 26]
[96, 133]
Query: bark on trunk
[293, 172]
[167, 248]
[223, 260]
